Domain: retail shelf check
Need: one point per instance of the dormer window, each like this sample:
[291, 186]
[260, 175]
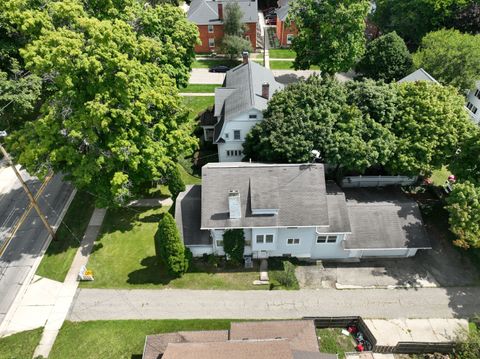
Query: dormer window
[236, 134]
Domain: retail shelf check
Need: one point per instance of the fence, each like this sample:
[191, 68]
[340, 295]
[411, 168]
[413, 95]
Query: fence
[377, 181]
[400, 348]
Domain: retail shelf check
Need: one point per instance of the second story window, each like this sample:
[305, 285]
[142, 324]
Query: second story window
[252, 116]
[210, 29]
[477, 93]
[471, 107]
[236, 134]
[211, 42]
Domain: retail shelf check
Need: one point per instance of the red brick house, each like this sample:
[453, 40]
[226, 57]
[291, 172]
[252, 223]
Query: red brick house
[208, 15]
[286, 30]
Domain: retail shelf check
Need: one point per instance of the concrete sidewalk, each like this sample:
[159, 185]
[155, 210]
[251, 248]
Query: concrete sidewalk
[69, 287]
[111, 304]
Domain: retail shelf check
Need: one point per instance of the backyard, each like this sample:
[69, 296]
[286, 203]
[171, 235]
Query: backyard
[331, 340]
[282, 54]
[197, 104]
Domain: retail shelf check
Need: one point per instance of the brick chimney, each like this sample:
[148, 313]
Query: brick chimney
[234, 204]
[265, 90]
[220, 11]
[245, 57]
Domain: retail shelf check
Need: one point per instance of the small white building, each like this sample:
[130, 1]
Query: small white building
[289, 210]
[239, 106]
[473, 103]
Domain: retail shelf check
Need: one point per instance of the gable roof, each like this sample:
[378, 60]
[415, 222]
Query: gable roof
[299, 192]
[282, 11]
[242, 91]
[205, 12]
[418, 75]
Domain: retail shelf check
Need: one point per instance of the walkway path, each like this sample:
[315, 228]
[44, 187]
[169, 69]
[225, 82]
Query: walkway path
[104, 304]
[69, 287]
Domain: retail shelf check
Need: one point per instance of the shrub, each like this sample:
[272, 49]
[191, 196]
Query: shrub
[234, 244]
[285, 279]
[175, 182]
[169, 247]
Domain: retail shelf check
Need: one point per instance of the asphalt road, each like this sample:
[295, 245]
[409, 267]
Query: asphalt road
[19, 256]
[112, 304]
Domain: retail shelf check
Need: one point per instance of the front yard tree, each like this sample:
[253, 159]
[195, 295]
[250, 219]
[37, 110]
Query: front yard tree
[464, 209]
[331, 33]
[466, 163]
[113, 119]
[234, 244]
[233, 46]
[451, 57]
[314, 114]
[431, 122]
[233, 43]
[169, 247]
[386, 58]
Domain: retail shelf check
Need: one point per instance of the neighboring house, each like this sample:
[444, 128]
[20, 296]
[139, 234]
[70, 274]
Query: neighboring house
[473, 98]
[473, 103]
[289, 210]
[239, 105]
[208, 16]
[286, 30]
[280, 339]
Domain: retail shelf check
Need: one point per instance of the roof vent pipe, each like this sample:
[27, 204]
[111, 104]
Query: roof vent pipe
[245, 57]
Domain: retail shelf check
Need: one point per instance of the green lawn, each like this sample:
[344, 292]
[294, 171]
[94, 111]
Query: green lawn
[188, 178]
[124, 257]
[282, 54]
[286, 65]
[197, 88]
[440, 176]
[333, 341]
[197, 104]
[121, 339]
[20, 345]
[59, 255]
[206, 64]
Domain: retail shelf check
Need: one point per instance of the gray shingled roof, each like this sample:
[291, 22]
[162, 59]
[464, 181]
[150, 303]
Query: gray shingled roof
[242, 91]
[187, 217]
[205, 12]
[384, 218]
[300, 190]
[282, 11]
[418, 75]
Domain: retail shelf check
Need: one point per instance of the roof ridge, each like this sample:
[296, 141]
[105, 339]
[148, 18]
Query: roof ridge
[252, 92]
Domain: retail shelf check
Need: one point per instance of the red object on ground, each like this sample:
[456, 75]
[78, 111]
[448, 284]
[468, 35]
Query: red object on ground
[352, 329]
[360, 347]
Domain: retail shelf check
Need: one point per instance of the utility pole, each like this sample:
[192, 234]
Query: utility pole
[27, 190]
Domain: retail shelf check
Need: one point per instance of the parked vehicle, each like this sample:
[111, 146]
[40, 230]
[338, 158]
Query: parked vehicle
[219, 68]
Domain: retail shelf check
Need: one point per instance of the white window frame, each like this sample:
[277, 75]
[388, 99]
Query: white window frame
[263, 237]
[328, 239]
[210, 29]
[477, 93]
[257, 239]
[266, 238]
[290, 38]
[219, 243]
[239, 135]
[211, 42]
[472, 107]
[294, 241]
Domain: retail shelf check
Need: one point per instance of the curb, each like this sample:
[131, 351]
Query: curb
[16, 302]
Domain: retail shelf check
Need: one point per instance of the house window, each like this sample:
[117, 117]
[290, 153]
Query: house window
[226, 135]
[211, 42]
[248, 243]
[289, 39]
[326, 239]
[252, 116]
[219, 243]
[210, 29]
[264, 238]
[293, 241]
[477, 93]
[234, 153]
[471, 107]
[247, 37]
[236, 134]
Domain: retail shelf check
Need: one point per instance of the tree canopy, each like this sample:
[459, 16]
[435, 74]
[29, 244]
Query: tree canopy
[234, 244]
[451, 57]
[386, 58]
[463, 204]
[233, 42]
[466, 163]
[112, 119]
[315, 115]
[330, 33]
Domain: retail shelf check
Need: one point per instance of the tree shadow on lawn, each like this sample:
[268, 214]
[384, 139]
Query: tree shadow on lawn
[124, 219]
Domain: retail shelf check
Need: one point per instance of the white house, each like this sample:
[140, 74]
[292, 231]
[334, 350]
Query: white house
[290, 210]
[473, 103]
[238, 107]
[473, 99]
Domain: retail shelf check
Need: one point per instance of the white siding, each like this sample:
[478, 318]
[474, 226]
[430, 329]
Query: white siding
[475, 101]
[240, 122]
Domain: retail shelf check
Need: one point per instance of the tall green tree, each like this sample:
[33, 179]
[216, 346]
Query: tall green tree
[466, 163]
[451, 57]
[386, 58]
[169, 247]
[431, 122]
[467, 18]
[315, 115]
[233, 46]
[234, 244]
[463, 205]
[330, 33]
[232, 19]
[113, 120]
[175, 182]
[413, 19]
